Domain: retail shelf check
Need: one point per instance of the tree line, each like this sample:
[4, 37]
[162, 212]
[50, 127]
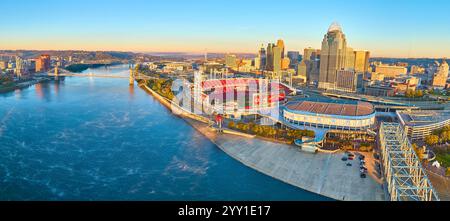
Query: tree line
[438, 136]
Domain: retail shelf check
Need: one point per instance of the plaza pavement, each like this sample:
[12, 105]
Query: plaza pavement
[321, 173]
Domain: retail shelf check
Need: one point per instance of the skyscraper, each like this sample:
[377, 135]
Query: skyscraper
[269, 57]
[301, 69]
[43, 63]
[332, 58]
[293, 57]
[277, 58]
[280, 44]
[261, 58]
[362, 61]
[441, 75]
[20, 66]
[310, 54]
[349, 59]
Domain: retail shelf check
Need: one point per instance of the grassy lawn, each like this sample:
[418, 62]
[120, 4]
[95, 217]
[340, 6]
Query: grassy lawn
[443, 158]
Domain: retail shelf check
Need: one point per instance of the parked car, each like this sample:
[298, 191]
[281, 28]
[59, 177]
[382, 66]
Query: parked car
[362, 175]
[344, 159]
[349, 164]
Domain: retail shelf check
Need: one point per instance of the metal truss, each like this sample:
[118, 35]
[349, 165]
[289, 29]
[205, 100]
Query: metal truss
[405, 177]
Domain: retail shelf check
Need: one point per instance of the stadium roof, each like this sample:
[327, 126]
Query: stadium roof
[332, 107]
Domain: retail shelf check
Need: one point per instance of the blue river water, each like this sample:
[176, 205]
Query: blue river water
[83, 138]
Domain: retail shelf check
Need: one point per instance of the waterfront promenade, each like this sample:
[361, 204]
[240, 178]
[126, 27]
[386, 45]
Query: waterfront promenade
[320, 173]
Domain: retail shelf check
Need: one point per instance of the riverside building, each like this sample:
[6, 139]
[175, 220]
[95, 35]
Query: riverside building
[419, 124]
[332, 114]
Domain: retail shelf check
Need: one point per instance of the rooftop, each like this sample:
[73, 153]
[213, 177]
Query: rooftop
[333, 107]
[421, 118]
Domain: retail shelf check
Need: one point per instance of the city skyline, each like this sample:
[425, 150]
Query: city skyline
[387, 29]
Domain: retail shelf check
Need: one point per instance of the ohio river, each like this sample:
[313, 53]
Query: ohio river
[99, 139]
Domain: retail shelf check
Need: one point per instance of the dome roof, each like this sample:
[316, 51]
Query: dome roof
[335, 27]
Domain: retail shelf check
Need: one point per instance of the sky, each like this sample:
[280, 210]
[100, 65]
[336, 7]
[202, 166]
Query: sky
[387, 28]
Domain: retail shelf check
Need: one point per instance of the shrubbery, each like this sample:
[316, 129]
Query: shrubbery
[270, 132]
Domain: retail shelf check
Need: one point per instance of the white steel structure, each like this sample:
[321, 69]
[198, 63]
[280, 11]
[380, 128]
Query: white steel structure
[406, 179]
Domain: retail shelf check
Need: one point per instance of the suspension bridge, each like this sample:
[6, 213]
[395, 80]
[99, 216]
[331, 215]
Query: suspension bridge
[61, 72]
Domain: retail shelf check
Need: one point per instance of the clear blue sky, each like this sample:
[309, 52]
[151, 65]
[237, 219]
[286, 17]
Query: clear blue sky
[397, 28]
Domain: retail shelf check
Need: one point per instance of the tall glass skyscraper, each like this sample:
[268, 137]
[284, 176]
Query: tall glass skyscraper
[262, 58]
[269, 57]
[332, 57]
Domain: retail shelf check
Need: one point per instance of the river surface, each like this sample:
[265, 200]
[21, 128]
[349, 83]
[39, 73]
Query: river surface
[83, 138]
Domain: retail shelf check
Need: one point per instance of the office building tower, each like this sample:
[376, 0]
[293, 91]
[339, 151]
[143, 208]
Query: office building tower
[302, 69]
[311, 54]
[43, 63]
[332, 57]
[293, 57]
[269, 57]
[350, 59]
[280, 44]
[20, 67]
[277, 59]
[441, 75]
[261, 59]
[362, 61]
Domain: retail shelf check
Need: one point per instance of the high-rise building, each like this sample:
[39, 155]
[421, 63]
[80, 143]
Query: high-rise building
[441, 75]
[43, 63]
[269, 57]
[293, 57]
[302, 69]
[261, 59]
[350, 59]
[280, 44]
[307, 52]
[332, 57]
[231, 61]
[20, 66]
[311, 54]
[277, 58]
[362, 61]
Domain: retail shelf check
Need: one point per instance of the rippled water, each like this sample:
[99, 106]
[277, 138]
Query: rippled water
[99, 139]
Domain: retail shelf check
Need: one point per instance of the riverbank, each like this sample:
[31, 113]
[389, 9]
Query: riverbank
[78, 68]
[22, 85]
[321, 173]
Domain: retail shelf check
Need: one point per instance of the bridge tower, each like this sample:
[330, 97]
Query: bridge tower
[131, 79]
[56, 72]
